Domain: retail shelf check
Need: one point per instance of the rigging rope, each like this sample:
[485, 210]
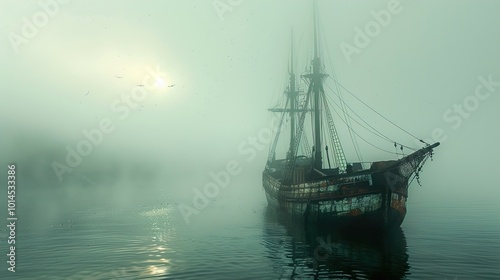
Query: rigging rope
[375, 131]
[345, 113]
[272, 150]
[361, 126]
[402, 129]
[364, 138]
[346, 119]
[293, 150]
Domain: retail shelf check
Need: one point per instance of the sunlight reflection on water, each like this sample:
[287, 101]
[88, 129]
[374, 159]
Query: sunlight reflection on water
[235, 241]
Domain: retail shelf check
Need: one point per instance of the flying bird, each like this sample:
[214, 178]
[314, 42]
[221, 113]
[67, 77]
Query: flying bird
[119, 77]
[87, 93]
[171, 86]
[139, 85]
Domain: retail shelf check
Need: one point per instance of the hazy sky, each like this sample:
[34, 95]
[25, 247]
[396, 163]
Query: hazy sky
[64, 66]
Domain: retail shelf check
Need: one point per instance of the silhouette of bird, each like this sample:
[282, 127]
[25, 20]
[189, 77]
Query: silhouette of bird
[119, 77]
[171, 86]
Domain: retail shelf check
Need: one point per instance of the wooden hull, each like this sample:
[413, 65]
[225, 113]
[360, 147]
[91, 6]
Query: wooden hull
[362, 203]
[373, 198]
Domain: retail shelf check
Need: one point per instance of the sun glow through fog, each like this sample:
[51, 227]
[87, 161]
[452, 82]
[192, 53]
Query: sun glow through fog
[160, 83]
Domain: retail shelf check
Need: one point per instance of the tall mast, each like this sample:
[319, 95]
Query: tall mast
[317, 80]
[292, 95]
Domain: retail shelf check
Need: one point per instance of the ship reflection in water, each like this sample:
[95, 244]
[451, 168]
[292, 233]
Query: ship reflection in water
[300, 252]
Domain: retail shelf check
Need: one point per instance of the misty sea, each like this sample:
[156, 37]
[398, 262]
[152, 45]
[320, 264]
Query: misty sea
[238, 237]
[116, 114]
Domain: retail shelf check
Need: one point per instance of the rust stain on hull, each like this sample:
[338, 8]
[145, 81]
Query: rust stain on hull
[334, 199]
[375, 196]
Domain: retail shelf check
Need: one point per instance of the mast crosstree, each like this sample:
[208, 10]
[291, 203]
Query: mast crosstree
[315, 102]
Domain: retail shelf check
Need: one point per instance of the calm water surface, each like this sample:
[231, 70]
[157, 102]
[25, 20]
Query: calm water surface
[240, 238]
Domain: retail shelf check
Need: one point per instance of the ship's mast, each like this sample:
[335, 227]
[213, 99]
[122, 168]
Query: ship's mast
[292, 108]
[292, 95]
[317, 80]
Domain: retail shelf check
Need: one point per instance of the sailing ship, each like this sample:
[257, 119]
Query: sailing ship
[335, 192]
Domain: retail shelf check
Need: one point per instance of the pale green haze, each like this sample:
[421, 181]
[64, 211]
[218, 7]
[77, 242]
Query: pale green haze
[433, 69]
[227, 72]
